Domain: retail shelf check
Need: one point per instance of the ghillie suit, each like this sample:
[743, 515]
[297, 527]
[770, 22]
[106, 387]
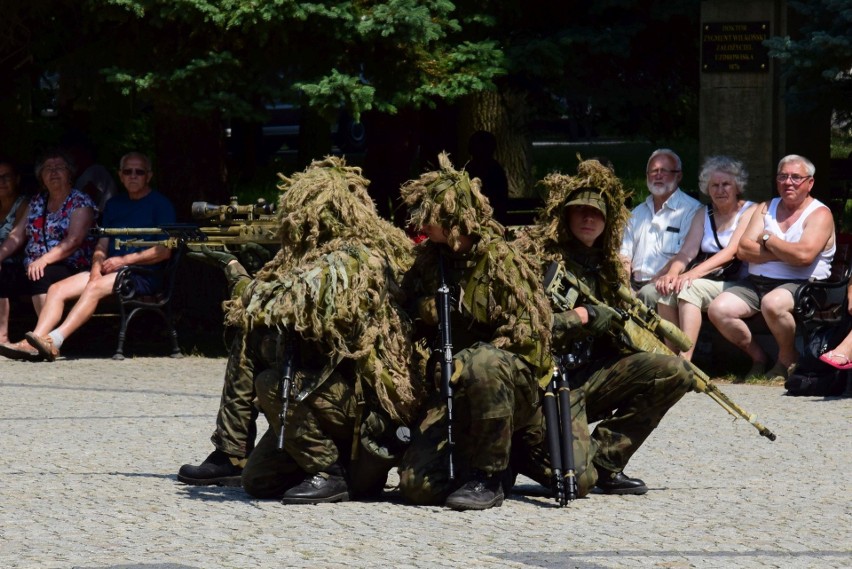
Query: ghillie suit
[550, 238]
[334, 279]
[625, 391]
[500, 341]
[321, 317]
[448, 198]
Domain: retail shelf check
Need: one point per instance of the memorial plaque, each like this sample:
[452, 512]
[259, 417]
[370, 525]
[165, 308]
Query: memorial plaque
[734, 47]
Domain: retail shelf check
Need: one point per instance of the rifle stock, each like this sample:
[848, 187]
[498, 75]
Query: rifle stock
[286, 380]
[643, 330]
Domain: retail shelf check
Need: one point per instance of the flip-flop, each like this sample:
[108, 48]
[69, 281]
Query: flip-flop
[826, 357]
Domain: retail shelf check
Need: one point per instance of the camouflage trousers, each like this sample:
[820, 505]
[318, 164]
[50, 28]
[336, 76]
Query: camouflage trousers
[236, 427]
[629, 397]
[495, 395]
[319, 431]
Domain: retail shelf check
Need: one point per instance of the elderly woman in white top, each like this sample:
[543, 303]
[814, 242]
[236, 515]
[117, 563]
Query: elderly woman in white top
[711, 246]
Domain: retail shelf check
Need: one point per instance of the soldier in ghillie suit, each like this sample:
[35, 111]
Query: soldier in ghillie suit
[500, 342]
[328, 300]
[627, 390]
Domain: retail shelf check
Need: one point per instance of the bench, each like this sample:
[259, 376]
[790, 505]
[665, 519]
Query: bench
[123, 306]
[130, 304]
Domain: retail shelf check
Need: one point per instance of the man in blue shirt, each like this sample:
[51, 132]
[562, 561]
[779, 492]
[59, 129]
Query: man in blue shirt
[142, 206]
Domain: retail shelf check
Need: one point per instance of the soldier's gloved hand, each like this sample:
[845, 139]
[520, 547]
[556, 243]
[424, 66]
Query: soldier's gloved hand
[210, 257]
[459, 361]
[427, 310]
[253, 256]
[600, 318]
[565, 328]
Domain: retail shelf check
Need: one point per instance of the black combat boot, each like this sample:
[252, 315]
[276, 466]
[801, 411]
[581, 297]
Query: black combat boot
[618, 483]
[322, 487]
[218, 469]
[479, 493]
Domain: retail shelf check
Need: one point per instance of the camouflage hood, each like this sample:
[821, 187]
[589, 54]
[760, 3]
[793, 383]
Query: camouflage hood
[448, 198]
[551, 238]
[334, 281]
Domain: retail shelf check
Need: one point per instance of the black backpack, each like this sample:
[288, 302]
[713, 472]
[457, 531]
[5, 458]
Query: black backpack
[812, 376]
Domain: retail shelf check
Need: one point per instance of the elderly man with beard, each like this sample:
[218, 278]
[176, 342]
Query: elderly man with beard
[657, 227]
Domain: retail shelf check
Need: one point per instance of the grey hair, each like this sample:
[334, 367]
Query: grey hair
[666, 152]
[725, 165]
[135, 154]
[55, 153]
[809, 166]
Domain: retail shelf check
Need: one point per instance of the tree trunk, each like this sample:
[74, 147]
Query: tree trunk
[189, 164]
[505, 115]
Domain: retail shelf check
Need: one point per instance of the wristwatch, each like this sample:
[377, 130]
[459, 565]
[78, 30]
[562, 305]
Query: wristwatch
[765, 238]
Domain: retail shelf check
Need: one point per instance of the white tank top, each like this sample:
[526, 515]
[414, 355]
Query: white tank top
[821, 266]
[708, 243]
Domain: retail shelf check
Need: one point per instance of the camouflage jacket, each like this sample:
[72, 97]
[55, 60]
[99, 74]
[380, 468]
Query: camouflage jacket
[485, 309]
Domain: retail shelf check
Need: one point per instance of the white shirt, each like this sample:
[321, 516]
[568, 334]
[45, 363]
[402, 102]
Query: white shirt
[820, 268]
[651, 239]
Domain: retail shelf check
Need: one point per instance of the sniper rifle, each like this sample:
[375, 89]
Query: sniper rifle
[249, 232]
[642, 329]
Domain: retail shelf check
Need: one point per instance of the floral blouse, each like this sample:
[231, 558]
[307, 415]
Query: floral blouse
[46, 229]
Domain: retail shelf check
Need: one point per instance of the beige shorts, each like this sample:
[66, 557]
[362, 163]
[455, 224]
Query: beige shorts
[700, 293]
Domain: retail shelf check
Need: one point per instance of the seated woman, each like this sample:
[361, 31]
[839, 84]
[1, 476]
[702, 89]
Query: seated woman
[841, 356]
[53, 231]
[12, 280]
[688, 290]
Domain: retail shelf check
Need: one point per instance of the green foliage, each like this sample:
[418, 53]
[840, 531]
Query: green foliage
[232, 56]
[817, 60]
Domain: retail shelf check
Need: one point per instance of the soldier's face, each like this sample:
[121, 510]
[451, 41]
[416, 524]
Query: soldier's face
[435, 233]
[586, 223]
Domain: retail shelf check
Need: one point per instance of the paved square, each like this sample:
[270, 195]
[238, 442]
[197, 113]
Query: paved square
[89, 450]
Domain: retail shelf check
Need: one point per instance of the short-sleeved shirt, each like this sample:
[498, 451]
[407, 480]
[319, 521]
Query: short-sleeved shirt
[651, 239]
[153, 210]
[46, 229]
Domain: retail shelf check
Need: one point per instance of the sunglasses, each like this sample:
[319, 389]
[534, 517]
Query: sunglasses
[132, 171]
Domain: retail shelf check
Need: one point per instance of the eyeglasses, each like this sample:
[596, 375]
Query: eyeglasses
[795, 178]
[6, 178]
[134, 171]
[661, 171]
[52, 169]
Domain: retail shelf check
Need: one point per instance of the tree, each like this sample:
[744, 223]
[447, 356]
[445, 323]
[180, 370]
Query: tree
[817, 58]
[186, 65]
[623, 67]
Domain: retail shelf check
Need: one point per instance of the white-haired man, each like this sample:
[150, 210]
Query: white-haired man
[657, 227]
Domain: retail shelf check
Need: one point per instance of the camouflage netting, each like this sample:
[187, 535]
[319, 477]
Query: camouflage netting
[551, 235]
[448, 198]
[334, 279]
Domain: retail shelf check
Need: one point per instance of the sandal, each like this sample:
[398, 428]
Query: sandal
[826, 357]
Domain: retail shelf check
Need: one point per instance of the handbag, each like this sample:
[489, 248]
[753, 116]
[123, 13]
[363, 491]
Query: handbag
[726, 272]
